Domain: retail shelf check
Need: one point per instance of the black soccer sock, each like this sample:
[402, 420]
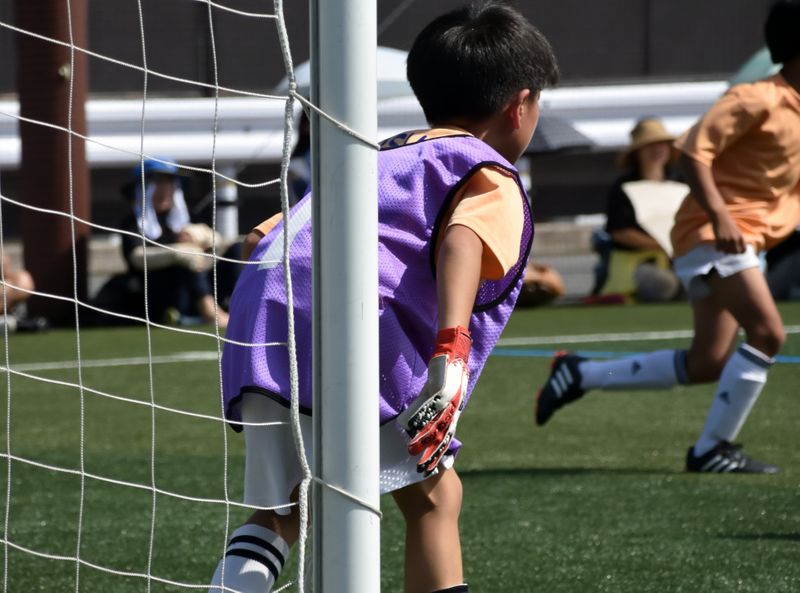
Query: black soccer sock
[457, 589]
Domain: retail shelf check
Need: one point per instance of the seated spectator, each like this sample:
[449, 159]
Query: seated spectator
[633, 262]
[178, 285]
[17, 286]
[14, 291]
[783, 268]
[541, 285]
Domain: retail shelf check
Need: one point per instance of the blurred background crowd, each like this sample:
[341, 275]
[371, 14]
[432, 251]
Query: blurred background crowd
[600, 170]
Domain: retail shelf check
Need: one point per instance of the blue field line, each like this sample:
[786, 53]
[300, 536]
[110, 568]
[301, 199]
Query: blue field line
[530, 353]
[212, 355]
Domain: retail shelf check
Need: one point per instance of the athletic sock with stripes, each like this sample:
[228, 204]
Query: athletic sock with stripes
[253, 560]
[457, 589]
[742, 380]
[655, 370]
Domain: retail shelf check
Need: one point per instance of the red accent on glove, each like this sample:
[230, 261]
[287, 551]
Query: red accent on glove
[456, 342]
[433, 433]
[433, 441]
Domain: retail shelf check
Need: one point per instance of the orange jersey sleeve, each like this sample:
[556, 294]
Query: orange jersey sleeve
[490, 205]
[723, 124]
[265, 227]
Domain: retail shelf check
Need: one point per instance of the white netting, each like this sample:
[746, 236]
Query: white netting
[149, 399]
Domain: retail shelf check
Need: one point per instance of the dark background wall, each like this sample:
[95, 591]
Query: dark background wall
[602, 40]
[597, 41]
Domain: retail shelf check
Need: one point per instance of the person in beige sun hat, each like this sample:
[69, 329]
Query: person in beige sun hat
[634, 262]
[649, 134]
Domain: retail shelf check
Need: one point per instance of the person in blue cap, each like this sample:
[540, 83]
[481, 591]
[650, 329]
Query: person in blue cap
[161, 240]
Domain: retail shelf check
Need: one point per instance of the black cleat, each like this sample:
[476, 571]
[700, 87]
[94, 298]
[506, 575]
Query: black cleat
[727, 458]
[562, 386]
[33, 324]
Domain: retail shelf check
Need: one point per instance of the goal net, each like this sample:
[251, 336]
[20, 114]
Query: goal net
[121, 471]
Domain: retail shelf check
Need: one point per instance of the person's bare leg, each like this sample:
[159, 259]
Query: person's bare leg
[286, 526]
[746, 295]
[715, 334]
[746, 298]
[207, 308]
[20, 283]
[433, 549]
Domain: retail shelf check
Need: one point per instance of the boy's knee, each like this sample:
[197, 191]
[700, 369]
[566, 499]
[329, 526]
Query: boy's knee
[768, 339]
[286, 526]
[705, 367]
[442, 496]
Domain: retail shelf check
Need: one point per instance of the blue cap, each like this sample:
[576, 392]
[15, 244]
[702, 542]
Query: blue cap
[164, 166]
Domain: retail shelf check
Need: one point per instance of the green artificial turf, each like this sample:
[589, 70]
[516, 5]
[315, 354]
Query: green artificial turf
[595, 501]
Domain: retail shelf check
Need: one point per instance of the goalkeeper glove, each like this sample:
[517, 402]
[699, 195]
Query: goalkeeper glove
[431, 418]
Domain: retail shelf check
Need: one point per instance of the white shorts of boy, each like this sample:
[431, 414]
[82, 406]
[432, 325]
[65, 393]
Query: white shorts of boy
[273, 470]
[694, 266]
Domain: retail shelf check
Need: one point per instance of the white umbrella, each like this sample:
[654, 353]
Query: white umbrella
[391, 66]
[400, 109]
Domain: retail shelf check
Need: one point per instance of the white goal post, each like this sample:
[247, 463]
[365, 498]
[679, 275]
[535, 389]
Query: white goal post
[346, 529]
[343, 109]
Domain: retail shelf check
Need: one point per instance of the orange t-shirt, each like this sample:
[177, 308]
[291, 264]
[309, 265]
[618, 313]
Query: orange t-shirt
[751, 140]
[488, 204]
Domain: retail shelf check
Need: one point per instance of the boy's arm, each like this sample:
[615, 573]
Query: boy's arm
[458, 270]
[257, 233]
[726, 121]
[432, 417]
[621, 223]
[700, 177]
[250, 241]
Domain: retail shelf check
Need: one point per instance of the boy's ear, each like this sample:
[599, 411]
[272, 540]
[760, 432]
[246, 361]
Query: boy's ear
[517, 107]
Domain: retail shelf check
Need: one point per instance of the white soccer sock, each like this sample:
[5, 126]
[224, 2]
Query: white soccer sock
[656, 370]
[742, 380]
[253, 560]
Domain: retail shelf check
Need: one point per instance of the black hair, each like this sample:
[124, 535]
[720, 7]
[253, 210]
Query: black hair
[782, 30]
[470, 62]
[303, 136]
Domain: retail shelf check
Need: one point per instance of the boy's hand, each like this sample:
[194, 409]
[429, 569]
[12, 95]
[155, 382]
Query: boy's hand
[729, 238]
[432, 417]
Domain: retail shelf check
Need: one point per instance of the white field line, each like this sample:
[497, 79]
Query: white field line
[207, 355]
[190, 356]
[617, 337]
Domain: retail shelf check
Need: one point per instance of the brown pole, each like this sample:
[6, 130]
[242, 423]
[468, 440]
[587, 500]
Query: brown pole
[43, 83]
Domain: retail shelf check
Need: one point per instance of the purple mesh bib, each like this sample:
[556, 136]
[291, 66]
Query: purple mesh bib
[416, 184]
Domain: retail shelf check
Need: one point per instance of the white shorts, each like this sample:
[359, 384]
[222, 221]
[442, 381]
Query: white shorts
[272, 469]
[694, 267]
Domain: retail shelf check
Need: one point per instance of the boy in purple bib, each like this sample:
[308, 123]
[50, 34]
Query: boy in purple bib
[455, 231]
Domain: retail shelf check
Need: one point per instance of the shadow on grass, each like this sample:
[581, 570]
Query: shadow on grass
[563, 471]
[788, 537]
